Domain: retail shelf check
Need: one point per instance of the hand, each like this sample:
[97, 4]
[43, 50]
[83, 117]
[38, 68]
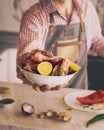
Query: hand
[45, 88]
[98, 46]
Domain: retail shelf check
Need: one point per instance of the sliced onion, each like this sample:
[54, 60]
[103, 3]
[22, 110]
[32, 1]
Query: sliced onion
[27, 109]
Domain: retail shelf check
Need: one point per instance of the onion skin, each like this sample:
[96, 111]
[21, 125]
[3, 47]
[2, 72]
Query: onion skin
[27, 109]
[55, 61]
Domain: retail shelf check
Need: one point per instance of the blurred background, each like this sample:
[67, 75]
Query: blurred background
[10, 16]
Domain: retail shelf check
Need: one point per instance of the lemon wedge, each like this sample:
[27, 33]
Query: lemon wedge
[74, 66]
[45, 68]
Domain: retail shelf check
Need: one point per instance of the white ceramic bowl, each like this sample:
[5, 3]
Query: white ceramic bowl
[52, 81]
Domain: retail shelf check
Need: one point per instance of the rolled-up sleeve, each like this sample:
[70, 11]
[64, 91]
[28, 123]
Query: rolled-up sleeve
[93, 29]
[29, 35]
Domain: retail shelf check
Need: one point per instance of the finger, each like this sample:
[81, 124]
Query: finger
[45, 88]
[36, 87]
[60, 86]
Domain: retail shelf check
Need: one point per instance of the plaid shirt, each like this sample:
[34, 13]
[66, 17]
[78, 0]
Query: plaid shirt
[35, 23]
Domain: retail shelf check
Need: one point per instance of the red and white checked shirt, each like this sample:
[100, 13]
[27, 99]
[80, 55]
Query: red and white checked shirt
[35, 23]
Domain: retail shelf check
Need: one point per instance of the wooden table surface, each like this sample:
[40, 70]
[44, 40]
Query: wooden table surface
[13, 118]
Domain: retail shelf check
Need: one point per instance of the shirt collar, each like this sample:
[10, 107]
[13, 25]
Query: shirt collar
[51, 8]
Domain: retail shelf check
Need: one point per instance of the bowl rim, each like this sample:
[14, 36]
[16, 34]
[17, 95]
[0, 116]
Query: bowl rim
[49, 75]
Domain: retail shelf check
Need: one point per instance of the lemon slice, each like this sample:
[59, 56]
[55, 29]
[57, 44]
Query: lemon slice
[74, 66]
[45, 68]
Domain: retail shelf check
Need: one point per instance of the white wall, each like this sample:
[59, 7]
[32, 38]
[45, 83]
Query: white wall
[10, 16]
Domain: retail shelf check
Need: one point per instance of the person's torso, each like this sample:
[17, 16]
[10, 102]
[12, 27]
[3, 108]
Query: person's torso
[63, 40]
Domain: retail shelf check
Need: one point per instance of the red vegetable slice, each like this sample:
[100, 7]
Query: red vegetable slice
[94, 98]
